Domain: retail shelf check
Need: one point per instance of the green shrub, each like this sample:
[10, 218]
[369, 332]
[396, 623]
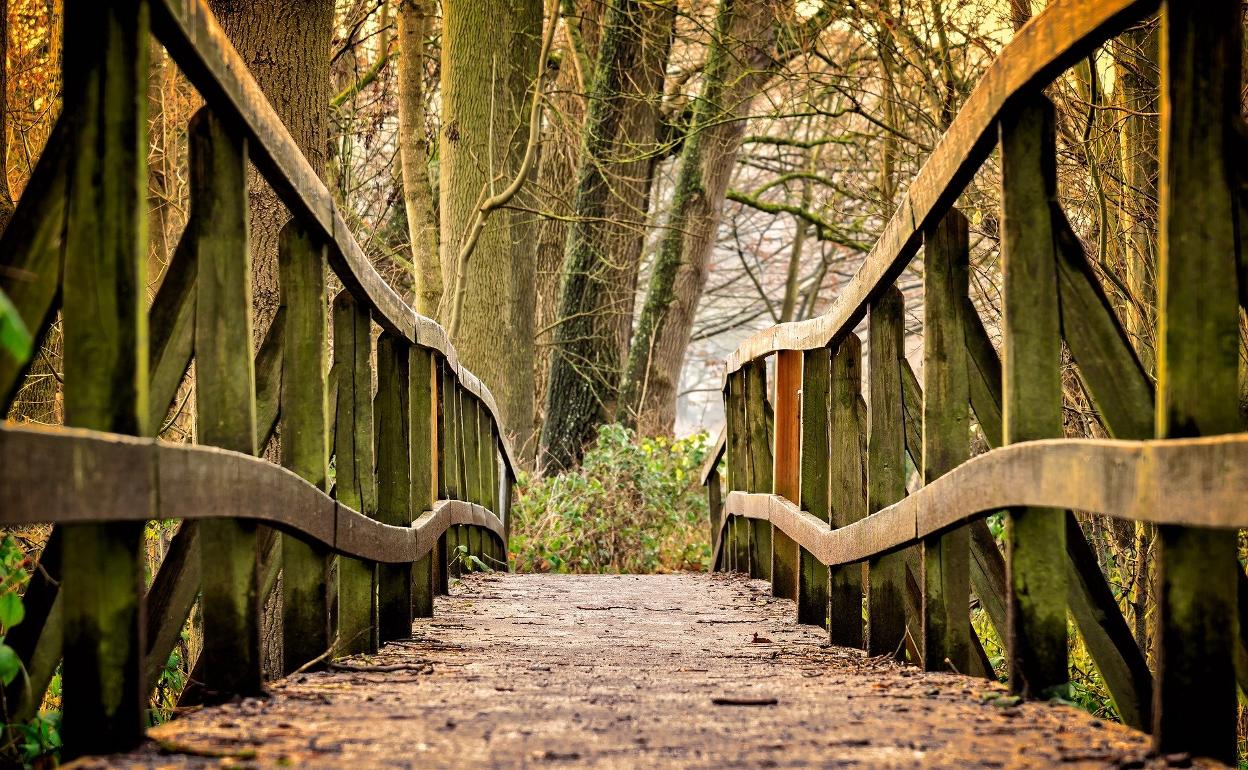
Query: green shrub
[634, 506]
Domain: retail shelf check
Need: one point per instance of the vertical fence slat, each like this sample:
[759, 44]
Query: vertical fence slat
[393, 431]
[1032, 394]
[886, 472]
[354, 483]
[783, 474]
[846, 474]
[946, 442]
[306, 630]
[225, 401]
[812, 584]
[105, 360]
[424, 470]
[736, 549]
[1198, 331]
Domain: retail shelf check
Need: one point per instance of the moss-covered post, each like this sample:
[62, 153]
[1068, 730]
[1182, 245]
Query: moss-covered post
[812, 582]
[1032, 394]
[783, 474]
[225, 401]
[105, 360]
[758, 442]
[306, 632]
[393, 433]
[736, 544]
[1197, 358]
[424, 471]
[354, 482]
[886, 472]
[946, 572]
[846, 472]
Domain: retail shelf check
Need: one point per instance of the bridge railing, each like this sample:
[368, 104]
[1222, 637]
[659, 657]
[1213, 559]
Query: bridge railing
[379, 496]
[817, 489]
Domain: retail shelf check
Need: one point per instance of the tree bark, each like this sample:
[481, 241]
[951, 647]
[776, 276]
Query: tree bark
[608, 230]
[415, 22]
[476, 159]
[285, 44]
[740, 60]
[6, 195]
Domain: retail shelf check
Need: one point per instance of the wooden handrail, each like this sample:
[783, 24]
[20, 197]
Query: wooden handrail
[1200, 482]
[1064, 32]
[64, 475]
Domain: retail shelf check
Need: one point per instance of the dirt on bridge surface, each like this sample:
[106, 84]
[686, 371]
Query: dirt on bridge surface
[701, 671]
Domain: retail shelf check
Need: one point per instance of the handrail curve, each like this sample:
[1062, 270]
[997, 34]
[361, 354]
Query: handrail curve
[1196, 482]
[65, 475]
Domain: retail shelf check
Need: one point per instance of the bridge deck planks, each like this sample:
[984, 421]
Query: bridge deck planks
[620, 671]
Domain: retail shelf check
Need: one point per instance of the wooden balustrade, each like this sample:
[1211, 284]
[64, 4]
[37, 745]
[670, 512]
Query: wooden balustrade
[926, 551]
[418, 465]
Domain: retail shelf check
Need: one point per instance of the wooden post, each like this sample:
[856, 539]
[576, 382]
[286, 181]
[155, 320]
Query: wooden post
[812, 583]
[1197, 366]
[787, 481]
[1032, 394]
[392, 414]
[448, 458]
[736, 545]
[715, 512]
[946, 442]
[354, 483]
[846, 472]
[306, 632]
[105, 360]
[424, 470]
[886, 473]
[225, 401]
[760, 470]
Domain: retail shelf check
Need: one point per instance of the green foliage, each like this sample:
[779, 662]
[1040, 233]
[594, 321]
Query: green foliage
[14, 336]
[634, 505]
[38, 737]
[471, 563]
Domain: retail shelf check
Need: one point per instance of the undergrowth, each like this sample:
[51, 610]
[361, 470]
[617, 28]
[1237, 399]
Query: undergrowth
[634, 505]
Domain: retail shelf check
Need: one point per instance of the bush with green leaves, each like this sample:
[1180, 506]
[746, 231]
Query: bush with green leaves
[38, 737]
[634, 505]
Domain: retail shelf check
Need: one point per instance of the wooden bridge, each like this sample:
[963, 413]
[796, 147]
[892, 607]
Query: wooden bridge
[813, 496]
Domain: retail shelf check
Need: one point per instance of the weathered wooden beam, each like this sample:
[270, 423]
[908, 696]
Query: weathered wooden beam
[785, 476]
[225, 400]
[886, 472]
[306, 633]
[946, 441]
[423, 469]
[812, 583]
[1197, 372]
[737, 555]
[105, 361]
[1032, 403]
[30, 252]
[392, 414]
[846, 473]
[171, 324]
[354, 482]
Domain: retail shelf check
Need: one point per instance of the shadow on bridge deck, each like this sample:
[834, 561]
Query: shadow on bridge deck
[630, 671]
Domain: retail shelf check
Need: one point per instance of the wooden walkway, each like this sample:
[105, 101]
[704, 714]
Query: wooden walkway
[630, 671]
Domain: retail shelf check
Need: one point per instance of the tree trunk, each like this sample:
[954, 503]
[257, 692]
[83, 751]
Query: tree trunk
[608, 229]
[739, 62]
[476, 159]
[415, 21]
[285, 44]
[6, 195]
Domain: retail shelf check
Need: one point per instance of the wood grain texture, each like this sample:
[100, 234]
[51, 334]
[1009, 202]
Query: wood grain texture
[225, 400]
[392, 413]
[946, 637]
[104, 328]
[812, 581]
[1032, 393]
[1197, 370]
[783, 473]
[847, 469]
[886, 473]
